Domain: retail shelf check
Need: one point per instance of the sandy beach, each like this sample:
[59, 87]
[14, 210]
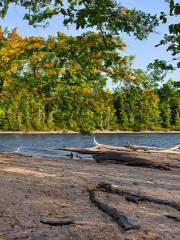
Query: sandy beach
[35, 189]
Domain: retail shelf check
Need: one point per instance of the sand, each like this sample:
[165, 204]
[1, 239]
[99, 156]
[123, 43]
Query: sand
[35, 188]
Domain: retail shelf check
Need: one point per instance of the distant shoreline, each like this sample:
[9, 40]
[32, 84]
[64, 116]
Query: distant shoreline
[73, 132]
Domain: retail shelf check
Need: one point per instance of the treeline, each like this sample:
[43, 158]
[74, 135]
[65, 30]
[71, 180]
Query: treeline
[148, 109]
[128, 108]
[59, 84]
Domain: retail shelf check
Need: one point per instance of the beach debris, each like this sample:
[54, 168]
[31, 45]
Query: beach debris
[136, 197]
[119, 217]
[70, 155]
[132, 155]
[57, 222]
[176, 218]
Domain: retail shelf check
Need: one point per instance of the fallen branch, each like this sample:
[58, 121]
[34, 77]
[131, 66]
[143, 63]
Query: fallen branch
[144, 148]
[101, 148]
[58, 223]
[136, 197]
[175, 148]
[153, 149]
[176, 218]
[160, 159]
[119, 217]
[129, 160]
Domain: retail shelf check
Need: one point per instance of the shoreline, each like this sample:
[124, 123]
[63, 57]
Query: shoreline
[56, 189]
[78, 133]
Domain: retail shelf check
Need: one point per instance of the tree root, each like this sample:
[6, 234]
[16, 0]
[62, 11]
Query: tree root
[136, 197]
[176, 218]
[129, 160]
[58, 223]
[119, 217]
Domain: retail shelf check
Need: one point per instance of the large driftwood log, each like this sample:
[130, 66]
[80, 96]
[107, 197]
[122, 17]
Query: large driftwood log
[129, 159]
[144, 148]
[119, 217]
[153, 149]
[136, 197]
[132, 155]
[175, 148]
[100, 148]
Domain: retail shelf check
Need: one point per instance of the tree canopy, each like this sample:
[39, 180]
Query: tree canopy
[60, 82]
[171, 39]
[105, 15]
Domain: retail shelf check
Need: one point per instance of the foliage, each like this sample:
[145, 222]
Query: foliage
[136, 108]
[105, 15]
[172, 39]
[141, 108]
[59, 83]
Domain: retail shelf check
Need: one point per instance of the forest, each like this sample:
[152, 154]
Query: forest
[59, 82]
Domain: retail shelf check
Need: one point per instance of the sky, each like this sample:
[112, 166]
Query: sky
[144, 51]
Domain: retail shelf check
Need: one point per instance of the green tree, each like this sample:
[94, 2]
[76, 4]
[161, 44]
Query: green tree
[171, 40]
[170, 104]
[105, 15]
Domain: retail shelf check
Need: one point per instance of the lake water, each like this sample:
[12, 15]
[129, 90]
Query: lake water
[45, 144]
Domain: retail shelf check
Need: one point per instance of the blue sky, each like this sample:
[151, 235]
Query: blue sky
[144, 50]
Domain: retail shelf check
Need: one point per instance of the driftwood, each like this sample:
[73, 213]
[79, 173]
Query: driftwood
[101, 148]
[129, 159]
[175, 148]
[57, 223]
[152, 149]
[136, 197]
[132, 155]
[119, 217]
[176, 218]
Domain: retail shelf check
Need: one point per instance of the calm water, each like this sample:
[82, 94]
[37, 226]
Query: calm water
[45, 144]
